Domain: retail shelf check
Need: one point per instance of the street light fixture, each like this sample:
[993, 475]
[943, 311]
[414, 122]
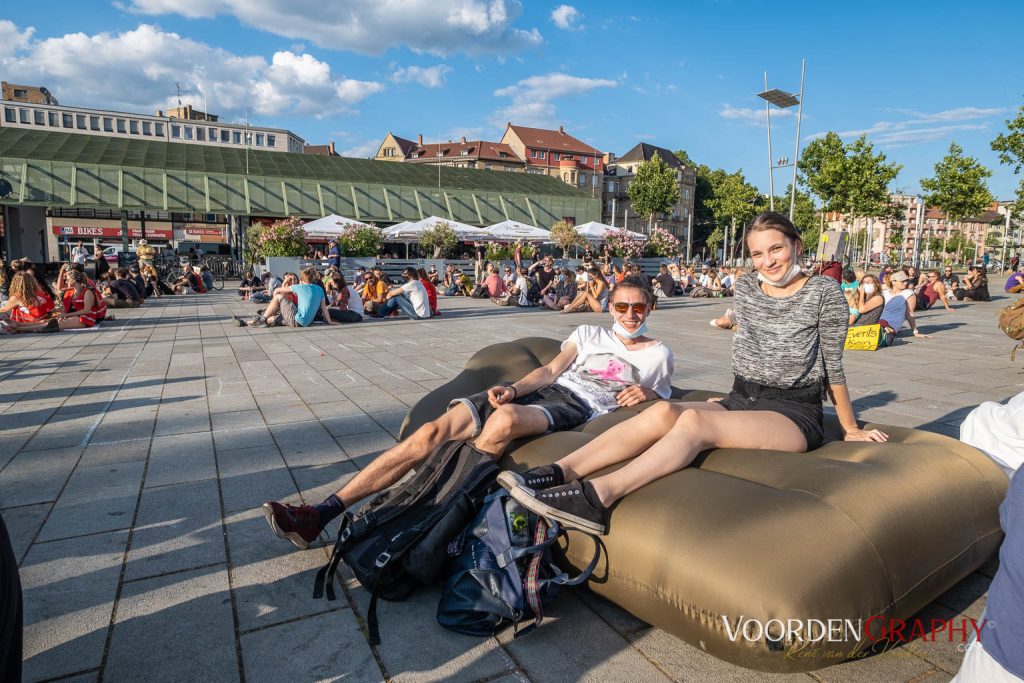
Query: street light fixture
[783, 100]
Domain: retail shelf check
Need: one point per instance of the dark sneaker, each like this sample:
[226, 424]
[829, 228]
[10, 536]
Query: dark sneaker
[567, 504]
[299, 524]
[537, 478]
[257, 322]
[238, 321]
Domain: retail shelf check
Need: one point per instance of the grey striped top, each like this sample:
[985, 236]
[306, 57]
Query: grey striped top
[790, 342]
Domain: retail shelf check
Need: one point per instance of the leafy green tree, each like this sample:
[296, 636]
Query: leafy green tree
[822, 169]
[442, 238]
[714, 239]
[958, 187]
[703, 193]
[684, 158]
[735, 203]
[655, 188]
[566, 236]
[1010, 146]
[806, 217]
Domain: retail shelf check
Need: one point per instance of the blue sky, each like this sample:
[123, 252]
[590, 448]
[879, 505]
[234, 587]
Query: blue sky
[913, 75]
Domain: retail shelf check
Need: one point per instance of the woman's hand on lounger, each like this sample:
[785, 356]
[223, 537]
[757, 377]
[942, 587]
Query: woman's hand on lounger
[865, 435]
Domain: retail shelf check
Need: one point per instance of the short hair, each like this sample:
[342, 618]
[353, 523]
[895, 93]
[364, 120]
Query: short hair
[627, 284]
[123, 272]
[411, 272]
[309, 274]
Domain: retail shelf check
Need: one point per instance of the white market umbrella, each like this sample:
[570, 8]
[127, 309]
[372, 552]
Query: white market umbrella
[414, 230]
[394, 230]
[511, 230]
[599, 231]
[331, 226]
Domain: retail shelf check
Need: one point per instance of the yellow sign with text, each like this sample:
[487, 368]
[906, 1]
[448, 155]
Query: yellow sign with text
[863, 337]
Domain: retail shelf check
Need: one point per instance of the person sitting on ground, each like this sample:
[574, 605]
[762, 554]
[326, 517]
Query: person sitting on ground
[617, 273]
[344, 304]
[374, 293]
[206, 276]
[544, 274]
[867, 302]
[410, 298]
[931, 292]
[100, 261]
[900, 303]
[597, 371]
[382, 276]
[433, 275]
[950, 279]
[519, 293]
[431, 291]
[188, 282]
[249, 284]
[154, 286]
[728, 278]
[1015, 283]
[708, 285]
[781, 372]
[121, 291]
[83, 305]
[135, 275]
[594, 297]
[27, 301]
[665, 284]
[509, 277]
[914, 277]
[293, 312]
[975, 286]
[563, 293]
[850, 282]
[494, 283]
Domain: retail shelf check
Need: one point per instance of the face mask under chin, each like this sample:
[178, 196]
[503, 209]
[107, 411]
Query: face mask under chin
[791, 274]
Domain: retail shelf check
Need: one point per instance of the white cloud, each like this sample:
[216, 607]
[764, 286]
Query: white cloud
[531, 97]
[371, 26]
[136, 70]
[922, 126]
[430, 77]
[13, 39]
[363, 150]
[752, 117]
[566, 17]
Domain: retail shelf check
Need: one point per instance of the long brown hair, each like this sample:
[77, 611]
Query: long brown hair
[25, 287]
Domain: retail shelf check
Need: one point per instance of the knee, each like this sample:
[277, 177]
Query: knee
[664, 413]
[430, 433]
[499, 425]
[689, 420]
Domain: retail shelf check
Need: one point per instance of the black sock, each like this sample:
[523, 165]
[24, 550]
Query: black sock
[329, 509]
[590, 493]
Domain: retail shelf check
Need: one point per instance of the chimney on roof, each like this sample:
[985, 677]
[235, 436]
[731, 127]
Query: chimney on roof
[419, 139]
[463, 139]
[561, 130]
[330, 146]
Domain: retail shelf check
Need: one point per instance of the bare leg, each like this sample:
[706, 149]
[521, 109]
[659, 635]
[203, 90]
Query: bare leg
[507, 423]
[580, 300]
[394, 463]
[273, 307]
[693, 432]
[627, 439]
[594, 303]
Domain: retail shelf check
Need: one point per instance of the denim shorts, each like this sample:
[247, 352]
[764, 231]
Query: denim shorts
[800, 406]
[563, 410]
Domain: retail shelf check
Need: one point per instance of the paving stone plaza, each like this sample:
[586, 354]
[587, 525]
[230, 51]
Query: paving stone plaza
[134, 459]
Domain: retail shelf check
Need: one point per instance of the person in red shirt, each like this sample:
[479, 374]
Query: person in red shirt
[28, 305]
[83, 306]
[431, 291]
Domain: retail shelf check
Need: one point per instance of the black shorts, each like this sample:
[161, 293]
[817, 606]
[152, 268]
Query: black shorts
[801, 406]
[563, 410]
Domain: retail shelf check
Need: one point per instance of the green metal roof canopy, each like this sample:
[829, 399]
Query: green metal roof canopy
[60, 169]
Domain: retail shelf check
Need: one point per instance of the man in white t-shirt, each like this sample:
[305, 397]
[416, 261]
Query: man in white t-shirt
[899, 304]
[79, 254]
[598, 370]
[410, 298]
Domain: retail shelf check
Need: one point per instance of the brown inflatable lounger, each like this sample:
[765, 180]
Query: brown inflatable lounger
[770, 560]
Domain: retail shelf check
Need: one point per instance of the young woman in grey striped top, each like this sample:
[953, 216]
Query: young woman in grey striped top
[787, 354]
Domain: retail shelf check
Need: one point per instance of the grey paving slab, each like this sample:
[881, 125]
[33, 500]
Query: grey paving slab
[23, 523]
[306, 443]
[96, 498]
[183, 620]
[272, 579]
[240, 419]
[62, 434]
[176, 419]
[69, 589]
[247, 490]
[12, 441]
[116, 452]
[178, 527]
[250, 437]
[180, 458]
[36, 476]
[325, 647]
[320, 481]
[361, 448]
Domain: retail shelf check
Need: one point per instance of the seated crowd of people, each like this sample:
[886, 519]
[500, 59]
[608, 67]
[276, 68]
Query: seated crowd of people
[29, 302]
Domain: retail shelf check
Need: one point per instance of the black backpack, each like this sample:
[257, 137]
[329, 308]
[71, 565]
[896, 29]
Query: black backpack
[398, 541]
[502, 571]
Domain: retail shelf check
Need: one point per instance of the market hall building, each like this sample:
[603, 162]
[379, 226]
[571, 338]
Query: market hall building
[57, 187]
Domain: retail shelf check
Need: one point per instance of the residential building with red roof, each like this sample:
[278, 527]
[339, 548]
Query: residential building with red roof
[462, 153]
[616, 206]
[556, 153]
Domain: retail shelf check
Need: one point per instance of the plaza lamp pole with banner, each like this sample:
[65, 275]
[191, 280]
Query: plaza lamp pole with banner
[782, 100]
[918, 233]
[1006, 229]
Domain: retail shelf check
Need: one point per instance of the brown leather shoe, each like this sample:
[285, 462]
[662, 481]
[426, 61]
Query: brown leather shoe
[299, 524]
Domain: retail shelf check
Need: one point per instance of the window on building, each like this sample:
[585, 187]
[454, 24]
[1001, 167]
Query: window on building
[158, 129]
[271, 140]
[80, 121]
[108, 124]
[67, 120]
[201, 134]
[18, 92]
[213, 134]
[225, 136]
[94, 123]
[440, 153]
[133, 127]
[54, 119]
[23, 116]
[390, 152]
[556, 156]
[236, 137]
[121, 128]
[464, 152]
[686, 194]
[188, 132]
[583, 179]
[40, 117]
[175, 131]
[543, 154]
[415, 155]
[147, 128]
[9, 115]
[261, 139]
[533, 154]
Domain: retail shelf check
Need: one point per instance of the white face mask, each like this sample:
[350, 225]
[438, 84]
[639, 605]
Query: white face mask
[623, 332]
[790, 275]
[869, 289]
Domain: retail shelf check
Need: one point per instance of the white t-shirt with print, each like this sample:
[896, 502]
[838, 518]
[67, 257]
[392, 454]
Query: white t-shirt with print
[604, 366]
[417, 294]
[355, 302]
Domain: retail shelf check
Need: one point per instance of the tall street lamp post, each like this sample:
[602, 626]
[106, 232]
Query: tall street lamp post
[783, 100]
